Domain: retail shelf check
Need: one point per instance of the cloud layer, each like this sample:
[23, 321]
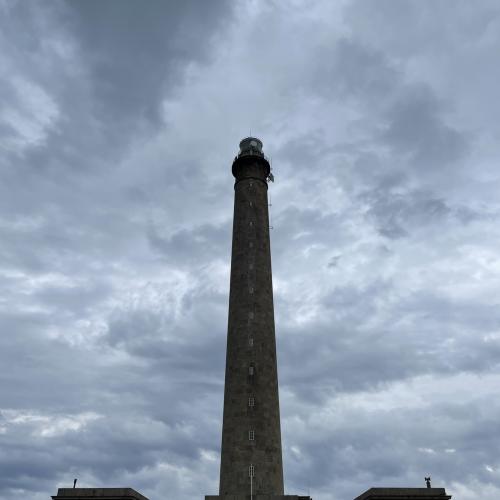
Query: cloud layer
[118, 124]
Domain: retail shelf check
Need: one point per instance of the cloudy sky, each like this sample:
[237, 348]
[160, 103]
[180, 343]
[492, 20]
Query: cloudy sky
[118, 124]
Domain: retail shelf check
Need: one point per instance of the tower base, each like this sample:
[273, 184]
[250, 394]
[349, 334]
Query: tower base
[256, 497]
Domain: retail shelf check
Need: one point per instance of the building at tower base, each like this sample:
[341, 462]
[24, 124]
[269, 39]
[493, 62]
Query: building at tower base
[98, 494]
[404, 494]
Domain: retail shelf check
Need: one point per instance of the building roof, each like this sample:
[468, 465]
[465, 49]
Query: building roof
[100, 493]
[404, 494]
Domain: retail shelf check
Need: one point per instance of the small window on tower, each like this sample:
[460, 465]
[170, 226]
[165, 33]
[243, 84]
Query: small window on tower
[251, 315]
[251, 223]
[251, 370]
[251, 204]
[250, 341]
[251, 471]
[251, 402]
[251, 435]
[251, 290]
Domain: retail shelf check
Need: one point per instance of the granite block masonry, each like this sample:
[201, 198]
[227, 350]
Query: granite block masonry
[251, 457]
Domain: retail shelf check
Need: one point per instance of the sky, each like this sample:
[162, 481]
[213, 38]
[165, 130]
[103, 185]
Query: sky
[119, 121]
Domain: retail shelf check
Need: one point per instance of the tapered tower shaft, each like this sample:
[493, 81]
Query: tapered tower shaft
[251, 436]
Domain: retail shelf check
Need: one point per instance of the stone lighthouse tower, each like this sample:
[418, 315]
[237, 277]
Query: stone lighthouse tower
[251, 461]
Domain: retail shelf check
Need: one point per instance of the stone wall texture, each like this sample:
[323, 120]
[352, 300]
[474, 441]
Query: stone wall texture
[251, 434]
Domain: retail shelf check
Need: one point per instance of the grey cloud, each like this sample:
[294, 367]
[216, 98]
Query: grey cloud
[193, 246]
[115, 240]
[398, 214]
[161, 340]
[353, 70]
[42, 363]
[416, 128]
[413, 28]
[110, 82]
[357, 440]
[81, 380]
[107, 446]
[334, 261]
[77, 299]
[131, 68]
[405, 116]
[303, 226]
[424, 334]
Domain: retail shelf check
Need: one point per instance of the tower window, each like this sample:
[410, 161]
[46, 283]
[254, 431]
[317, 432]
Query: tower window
[251, 370]
[251, 435]
[251, 402]
[251, 314]
[251, 204]
[250, 341]
[251, 289]
[251, 223]
[251, 471]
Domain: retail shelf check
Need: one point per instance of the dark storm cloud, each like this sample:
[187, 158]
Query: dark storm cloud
[405, 116]
[111, 79]
[354, 71]
[131, 69]
[398, 214]
[416, 127]
[118, 122]
[91, 79]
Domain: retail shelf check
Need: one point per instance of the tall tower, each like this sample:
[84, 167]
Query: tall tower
[251, 462]
[251, 436]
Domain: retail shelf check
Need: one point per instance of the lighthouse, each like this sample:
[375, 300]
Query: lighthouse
[251, 458]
